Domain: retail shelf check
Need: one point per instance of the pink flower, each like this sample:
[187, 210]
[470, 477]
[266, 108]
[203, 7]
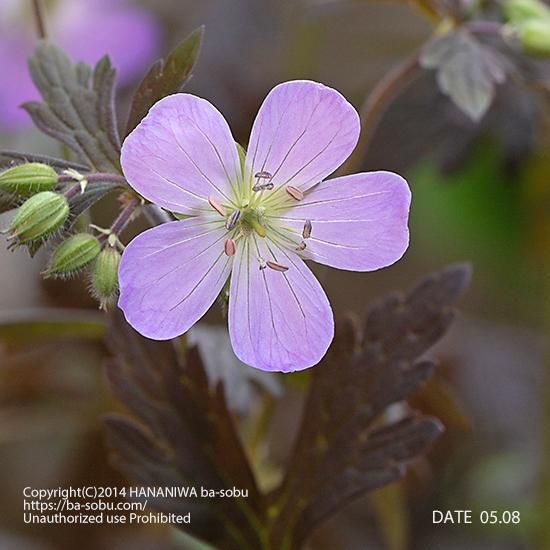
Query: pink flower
[86, 29]
[254, 221]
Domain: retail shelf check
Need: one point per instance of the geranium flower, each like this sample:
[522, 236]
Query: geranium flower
[85, 29]
[254, 220]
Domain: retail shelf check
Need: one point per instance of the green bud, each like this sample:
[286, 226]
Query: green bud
[105, 276]
[534, 37]
[28, 179]
[73, 254]
[38, 217]
[518, 11]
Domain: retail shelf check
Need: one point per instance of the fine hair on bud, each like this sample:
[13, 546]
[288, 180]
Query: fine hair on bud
[104, 277]
[39, 217]
[72, 255]
[25, 180]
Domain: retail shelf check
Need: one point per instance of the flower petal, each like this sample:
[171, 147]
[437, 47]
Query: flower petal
[359, 222]
[277, 321]
[181, 153]
[302, 133]
[170, 275]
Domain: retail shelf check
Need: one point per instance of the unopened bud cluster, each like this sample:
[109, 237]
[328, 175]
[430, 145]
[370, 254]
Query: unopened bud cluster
[529, 25]
[42, 214]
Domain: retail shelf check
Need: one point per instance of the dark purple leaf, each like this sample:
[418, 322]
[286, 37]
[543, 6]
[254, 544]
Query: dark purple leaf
[343, 450]
[165, 77]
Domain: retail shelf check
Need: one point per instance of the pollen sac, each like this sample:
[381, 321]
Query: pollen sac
[216, 205]
[276, 266]
[301, 246]
[229, 247]
[28, 179]
[73, 254]
[294, 192]
[263, 182]
[306, 231]
[38, 217]
[233, 219]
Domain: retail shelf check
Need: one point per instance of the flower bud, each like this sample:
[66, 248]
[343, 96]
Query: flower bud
[105, 276]
[73, 254]
[28, 179]
[518, 11]
[39, 216]
[534, 37]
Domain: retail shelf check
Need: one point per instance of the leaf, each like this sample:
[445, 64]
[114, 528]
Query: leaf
[78, 107]
[467, 70]
[181, 432]
[12, 158]
[165, 77]
[345, 447]
[183, 436]
[23, 326]
[92, 194]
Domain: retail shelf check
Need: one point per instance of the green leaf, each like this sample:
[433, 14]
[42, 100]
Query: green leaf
[467, 70]
[165, 77]
[78, 106]
[24, 326]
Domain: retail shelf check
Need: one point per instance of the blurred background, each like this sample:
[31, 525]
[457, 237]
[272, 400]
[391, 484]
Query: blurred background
[480, 194]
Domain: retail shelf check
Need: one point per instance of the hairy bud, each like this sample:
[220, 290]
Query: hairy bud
[534, 37]
[38, 217]
[73, 254]
[105, 276]
[519, 11]
[28, 179]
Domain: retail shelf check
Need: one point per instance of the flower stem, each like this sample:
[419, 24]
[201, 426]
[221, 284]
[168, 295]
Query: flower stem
[99, 176]
[124, 217]
[375, 106]
[40, 19]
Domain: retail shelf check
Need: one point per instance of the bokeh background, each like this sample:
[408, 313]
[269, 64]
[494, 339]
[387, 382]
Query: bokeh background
[480, 194]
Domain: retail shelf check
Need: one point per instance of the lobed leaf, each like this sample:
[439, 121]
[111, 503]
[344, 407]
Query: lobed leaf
[182, 433]
[183, 436]
[78, 106]
[468, 71]
[165, 77]
[345, 446]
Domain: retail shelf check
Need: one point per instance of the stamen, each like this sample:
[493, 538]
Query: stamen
[232, 221]
[263, 264]
[262, 186]
[306, 231]
[294, 192]
[229, 247]
[215, 204]
[301, 246]
[276, 266]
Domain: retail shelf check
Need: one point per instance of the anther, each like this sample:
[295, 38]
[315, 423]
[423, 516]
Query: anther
[301, 246]
[263, 264]
[306, 231]
[229, 247]
[263, 185]
[233, 219]
[294, 192]
[214, 203]
[276, 266]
